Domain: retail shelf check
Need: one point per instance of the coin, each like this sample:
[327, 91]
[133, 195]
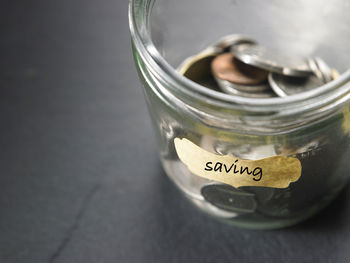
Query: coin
[335, 73]
[250, 91]
[315, 69]
[262, 194]
[324, 69]
[225, 43]
[229, 198]
[274, 203]
[285, 85]
[313, 145]
[271, 60]
[224, 84]
[226, 67]
[197, 66]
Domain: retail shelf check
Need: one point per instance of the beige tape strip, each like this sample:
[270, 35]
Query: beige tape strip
[275, 171]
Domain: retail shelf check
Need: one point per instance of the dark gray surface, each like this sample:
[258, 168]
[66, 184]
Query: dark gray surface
[80, 179]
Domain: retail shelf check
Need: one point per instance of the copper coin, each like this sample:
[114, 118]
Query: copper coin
[226, 67]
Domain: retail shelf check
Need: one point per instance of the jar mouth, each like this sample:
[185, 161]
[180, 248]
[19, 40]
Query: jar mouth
[332, 94]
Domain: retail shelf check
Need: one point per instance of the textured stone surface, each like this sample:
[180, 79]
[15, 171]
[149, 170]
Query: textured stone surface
[72, 118]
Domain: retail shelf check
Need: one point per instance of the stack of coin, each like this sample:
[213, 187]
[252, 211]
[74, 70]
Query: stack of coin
[242, 67]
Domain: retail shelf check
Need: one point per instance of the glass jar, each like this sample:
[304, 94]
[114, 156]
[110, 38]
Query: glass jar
[311, 127]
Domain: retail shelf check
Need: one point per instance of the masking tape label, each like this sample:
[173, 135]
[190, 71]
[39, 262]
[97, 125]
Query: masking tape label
[275, 171]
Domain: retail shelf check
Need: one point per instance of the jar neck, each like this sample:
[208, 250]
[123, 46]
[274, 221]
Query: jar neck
[227, 111]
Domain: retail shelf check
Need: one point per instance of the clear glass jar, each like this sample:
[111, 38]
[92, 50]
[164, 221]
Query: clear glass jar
[313, 127]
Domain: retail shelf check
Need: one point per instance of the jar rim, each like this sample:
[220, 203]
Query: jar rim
[139, 15]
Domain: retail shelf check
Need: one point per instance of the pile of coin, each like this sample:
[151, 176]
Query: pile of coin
[240, 66]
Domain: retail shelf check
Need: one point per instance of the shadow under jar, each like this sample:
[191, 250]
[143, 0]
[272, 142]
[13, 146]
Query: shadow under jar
[310, 128]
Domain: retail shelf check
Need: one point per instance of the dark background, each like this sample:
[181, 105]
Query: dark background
[80, 179]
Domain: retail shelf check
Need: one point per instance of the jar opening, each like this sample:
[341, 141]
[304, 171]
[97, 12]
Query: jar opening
[332, 95]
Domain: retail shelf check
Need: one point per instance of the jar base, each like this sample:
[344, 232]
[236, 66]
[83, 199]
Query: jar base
[189, 185]
[259, 222]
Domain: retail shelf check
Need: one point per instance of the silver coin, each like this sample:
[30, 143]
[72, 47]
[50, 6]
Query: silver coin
[228, 41]
[243, 88]
[261, 91]
[276, 205]
[325, 70]
[286, 86]
[271, 60]
[229, 198]
[262, 194]
[309, 146]
[315, 69]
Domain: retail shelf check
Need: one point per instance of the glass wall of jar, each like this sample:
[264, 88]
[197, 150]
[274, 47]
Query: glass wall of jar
[313, 126]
